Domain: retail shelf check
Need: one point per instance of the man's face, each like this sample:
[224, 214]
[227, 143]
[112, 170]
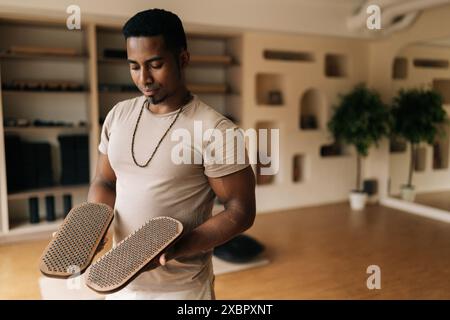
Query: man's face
[154, 69]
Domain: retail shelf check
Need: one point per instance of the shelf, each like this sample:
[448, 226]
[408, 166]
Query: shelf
[431, 63]
[113, 61]
[336, 66]
[442, 86]
[400, 68]
[70, 58]
[270, 88]
[397, 145]
[298, 168]
[194, 87]
[118, 88]
[33, 129]
[56, 190]
[333, 150]
[25, 227]
[207, 60]
[289, 56]
[312, 110]
[126, 92]
[420, 161]
[15, 92]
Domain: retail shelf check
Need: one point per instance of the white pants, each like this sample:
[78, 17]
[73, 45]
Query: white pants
[203, 292]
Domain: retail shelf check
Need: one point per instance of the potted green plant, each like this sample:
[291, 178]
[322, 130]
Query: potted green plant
[418, 116]
[360, 119]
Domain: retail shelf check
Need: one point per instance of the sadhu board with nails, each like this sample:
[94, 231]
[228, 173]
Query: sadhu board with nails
[119, 266]
[77, 240]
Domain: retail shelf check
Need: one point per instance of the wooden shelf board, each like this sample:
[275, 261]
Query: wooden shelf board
[211, 60]
[25, 227]
[13, 92]
[197, 60]
[49, 57]
[56, 190]
[33, 129]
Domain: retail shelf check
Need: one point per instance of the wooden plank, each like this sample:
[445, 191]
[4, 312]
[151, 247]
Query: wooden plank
[3, 186]
[34, 50]
[15, 56]
[195, 60]
[46, 130]
[56, 190]
[211, 59]
[94, 108]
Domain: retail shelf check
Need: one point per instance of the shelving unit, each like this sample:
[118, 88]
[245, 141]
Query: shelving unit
[308, 74]
[214, 72]
[269, 89]
[312, 110]
[41, 84]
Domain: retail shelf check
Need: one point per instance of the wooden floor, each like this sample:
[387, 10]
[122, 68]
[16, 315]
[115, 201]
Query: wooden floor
[439, 200]
[316, 253]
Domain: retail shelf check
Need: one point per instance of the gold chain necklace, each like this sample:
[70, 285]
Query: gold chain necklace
[160, 140]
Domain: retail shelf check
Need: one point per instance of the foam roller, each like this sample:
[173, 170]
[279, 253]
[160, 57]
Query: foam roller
[77, 240]
[122, 264]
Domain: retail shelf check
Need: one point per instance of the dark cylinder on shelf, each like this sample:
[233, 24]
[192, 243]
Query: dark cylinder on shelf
[67, 203]
[50, 208]
[33, 207]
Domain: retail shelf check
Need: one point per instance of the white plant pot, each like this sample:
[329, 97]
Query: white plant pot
[408, 193]
[358, 200]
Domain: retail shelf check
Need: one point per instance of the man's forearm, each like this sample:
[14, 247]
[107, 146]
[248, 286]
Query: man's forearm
[101, 192]
[215, 231]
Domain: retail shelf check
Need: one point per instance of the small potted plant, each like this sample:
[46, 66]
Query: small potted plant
[418, 116]
[360, 119]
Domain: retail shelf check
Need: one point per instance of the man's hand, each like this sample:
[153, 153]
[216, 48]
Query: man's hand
[237, 192]
[161, 259]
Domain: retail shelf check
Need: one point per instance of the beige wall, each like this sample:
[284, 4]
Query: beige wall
[325, 179]
[297, 16]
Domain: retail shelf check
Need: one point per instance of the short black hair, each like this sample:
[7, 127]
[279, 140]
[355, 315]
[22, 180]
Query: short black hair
[155, 22]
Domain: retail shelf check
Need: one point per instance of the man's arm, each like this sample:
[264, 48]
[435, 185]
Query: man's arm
[103, 187]
[237, 192]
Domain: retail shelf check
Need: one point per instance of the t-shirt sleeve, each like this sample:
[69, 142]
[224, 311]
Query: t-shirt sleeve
[225, 151]
[106, 132]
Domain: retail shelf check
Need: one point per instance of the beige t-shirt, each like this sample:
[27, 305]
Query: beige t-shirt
[164, 188]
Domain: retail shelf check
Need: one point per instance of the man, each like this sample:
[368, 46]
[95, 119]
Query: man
[137, 176]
